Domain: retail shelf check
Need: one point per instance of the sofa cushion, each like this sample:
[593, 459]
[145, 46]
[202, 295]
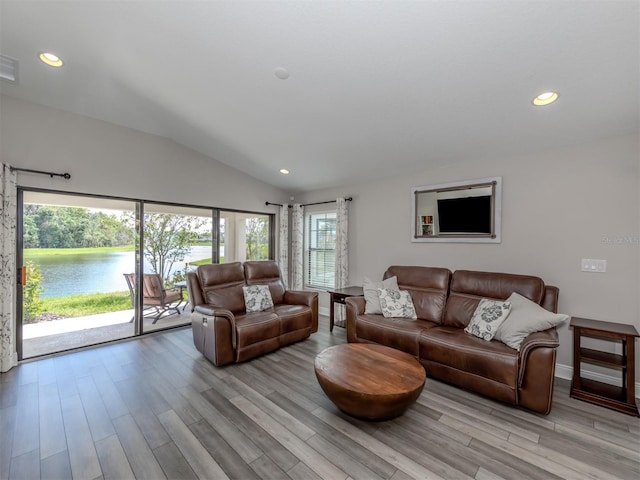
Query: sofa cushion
[526, 318]
[266, 272]
[222, 284]
[428, 287]
[293, 317]
[487, 318]
[398, 333]
[371, 295]
[469, 287]
[396, 303]
[257, 333]
[454, 348]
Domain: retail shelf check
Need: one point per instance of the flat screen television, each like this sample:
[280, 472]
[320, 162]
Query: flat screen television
[465, 215]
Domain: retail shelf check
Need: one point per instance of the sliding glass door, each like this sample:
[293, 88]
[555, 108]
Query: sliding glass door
[98, 269]
[176, 239]
[75, 252]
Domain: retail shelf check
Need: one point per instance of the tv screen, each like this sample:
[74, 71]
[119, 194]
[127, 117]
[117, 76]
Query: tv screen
[465, 215]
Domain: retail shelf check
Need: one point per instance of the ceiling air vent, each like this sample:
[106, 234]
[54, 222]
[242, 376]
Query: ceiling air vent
[8, 69]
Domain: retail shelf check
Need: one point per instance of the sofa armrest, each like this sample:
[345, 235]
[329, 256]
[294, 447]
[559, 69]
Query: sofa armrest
[547, 338]
[298, 297]
[310, 299]
[355, 306]
[211, 311]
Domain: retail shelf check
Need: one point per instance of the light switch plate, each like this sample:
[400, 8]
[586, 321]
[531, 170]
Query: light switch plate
[594, 265]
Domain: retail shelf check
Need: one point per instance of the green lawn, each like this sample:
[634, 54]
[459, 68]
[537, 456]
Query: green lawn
[43, 252]
[200, 262]
[91, 304]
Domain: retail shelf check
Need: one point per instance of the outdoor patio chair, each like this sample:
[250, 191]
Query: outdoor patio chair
[154, 296]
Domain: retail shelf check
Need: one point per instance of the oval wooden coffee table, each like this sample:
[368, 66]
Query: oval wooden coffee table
[369, 381]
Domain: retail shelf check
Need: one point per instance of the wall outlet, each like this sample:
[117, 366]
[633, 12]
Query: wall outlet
[594, 265]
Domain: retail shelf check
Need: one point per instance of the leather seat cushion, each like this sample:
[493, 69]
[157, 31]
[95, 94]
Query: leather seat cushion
[399, 333]
[293, 317]
[456, 349]
[256, 327]
[257, 333]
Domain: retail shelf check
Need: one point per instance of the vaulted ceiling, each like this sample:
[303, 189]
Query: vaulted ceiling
[373, 89]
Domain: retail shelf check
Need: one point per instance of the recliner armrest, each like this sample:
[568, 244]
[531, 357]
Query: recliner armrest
[295, 297]
[355, 306]
[212, 311]
[357, 303]
[547, 338]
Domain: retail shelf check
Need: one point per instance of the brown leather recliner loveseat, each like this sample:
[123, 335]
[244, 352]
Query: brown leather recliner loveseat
[444, 304]
[222, 329]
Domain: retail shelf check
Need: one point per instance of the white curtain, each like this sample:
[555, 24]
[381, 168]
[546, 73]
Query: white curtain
[283, 244]
[297, 246]
[342, 254]
[8, 355]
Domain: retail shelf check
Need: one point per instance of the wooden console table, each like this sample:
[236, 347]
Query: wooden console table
[621, 399]
[338, 296]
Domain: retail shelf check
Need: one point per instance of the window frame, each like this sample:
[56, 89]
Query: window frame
[308, 250]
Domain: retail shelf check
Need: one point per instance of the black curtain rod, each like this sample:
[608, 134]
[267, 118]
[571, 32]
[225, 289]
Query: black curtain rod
[348, 199]
[66, 176]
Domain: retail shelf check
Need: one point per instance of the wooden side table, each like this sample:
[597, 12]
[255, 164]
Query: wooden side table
[338, 296]
[621, 399]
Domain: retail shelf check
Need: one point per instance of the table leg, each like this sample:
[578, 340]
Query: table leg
[575, 382]
[629, 349]
[331, 317]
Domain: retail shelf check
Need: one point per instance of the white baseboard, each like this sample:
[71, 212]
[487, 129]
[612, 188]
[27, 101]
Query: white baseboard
[566, 372]
[323, 311]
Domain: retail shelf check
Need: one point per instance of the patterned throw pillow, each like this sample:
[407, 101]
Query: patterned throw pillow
[396, 303]
[257, 298]
[488, 316]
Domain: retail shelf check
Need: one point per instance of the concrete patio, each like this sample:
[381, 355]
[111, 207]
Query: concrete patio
[58, 335]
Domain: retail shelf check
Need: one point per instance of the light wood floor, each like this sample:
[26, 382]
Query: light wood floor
[155, 408]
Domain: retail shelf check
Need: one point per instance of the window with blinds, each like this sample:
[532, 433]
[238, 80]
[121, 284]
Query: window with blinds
[320, 250]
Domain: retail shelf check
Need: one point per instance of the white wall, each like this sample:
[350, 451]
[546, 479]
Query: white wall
[558, 207]
[106, 159]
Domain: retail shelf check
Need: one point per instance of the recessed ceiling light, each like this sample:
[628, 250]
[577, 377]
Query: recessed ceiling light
[284, 171]
[50, 59]
[281, 73]
[545, 98]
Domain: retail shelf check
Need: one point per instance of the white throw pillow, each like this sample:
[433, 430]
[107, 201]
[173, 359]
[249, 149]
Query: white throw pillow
[396, 303]
[489, 315]
[526, 317]
[371, 295]
[257, 298]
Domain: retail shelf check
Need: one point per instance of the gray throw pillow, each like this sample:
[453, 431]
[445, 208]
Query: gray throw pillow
[526, 317]
[371, 295]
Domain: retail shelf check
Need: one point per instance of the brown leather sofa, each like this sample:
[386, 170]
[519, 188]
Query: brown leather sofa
[222, 329]
[444, 304]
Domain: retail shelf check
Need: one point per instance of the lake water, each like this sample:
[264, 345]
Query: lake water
[64, 275]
